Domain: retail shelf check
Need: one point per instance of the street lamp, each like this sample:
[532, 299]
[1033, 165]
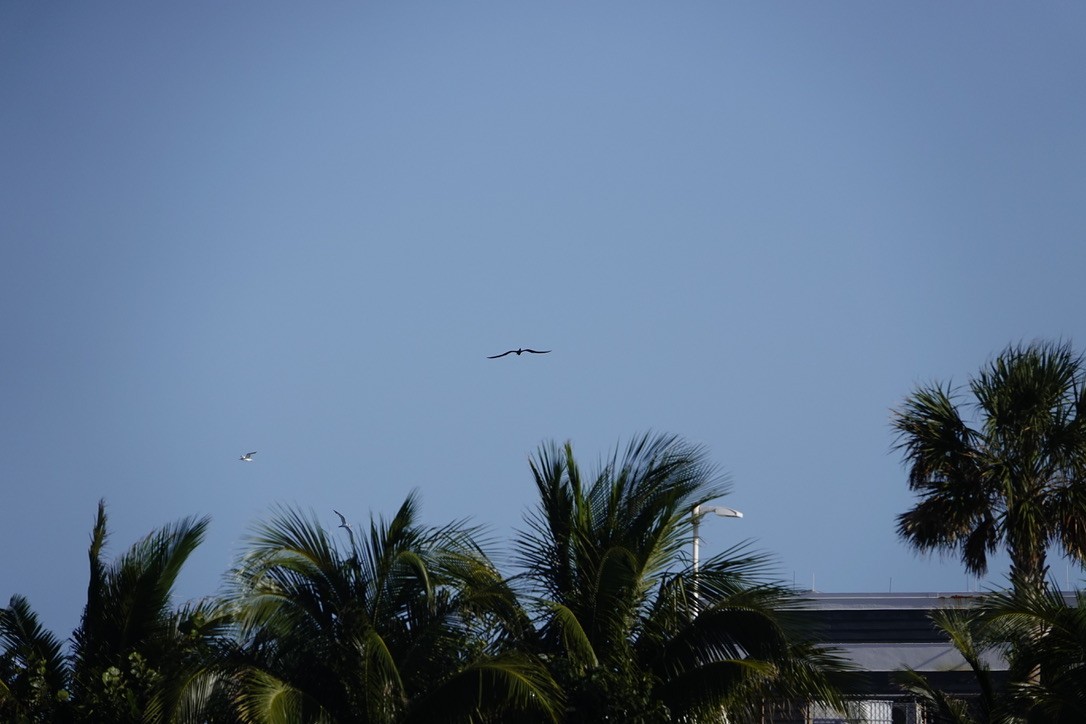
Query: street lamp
[696, 516]
[703, 510]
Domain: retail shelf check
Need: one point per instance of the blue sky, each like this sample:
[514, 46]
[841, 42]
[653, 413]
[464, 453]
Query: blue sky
[300, 228]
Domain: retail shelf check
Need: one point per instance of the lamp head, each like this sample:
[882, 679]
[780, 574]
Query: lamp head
[723, 512]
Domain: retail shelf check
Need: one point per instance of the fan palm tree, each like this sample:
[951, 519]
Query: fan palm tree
[409, 624]
[619, 620]
[1015, 477]
[133, 658]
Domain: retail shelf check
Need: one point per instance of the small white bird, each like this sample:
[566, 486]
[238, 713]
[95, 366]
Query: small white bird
[347, 527]
[248, 457]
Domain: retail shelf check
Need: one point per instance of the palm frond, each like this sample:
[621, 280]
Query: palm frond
[91, 620]
[971, 641]
[290, 539]
[25, 639]
[33, 668]
[186, 699]
[576, 643]
[713, 686]
[1047, 640]
[380, 667]
[950, 709]
[266, 699]
[494, 689]
[138, 587]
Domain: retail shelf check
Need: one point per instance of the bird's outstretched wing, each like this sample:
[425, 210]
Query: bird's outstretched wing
[538, 351]
[496, 356]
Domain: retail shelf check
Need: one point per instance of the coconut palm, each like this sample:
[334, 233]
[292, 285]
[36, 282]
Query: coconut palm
[1016, 477]
[1043, 639]
[973, 642]
[132, 652]
[134, 657]
[1047, 650]
[407, 624]
[620, 622]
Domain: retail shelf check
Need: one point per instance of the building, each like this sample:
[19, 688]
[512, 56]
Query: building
[883, 633]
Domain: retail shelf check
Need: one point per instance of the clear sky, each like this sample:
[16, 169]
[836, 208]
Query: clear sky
[300, 228]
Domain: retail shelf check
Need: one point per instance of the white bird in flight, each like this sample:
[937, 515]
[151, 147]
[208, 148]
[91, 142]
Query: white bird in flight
[248, 457]
[345, 526]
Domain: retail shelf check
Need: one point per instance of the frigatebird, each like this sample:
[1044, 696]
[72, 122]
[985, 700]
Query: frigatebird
[248, 457]
[519, 352]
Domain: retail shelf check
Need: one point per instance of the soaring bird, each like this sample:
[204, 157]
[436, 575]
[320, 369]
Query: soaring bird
[248, 457]
[519, 352]
[347, 527]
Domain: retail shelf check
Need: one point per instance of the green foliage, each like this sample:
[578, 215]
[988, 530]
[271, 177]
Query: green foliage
[387, 630]
[613, 595]
[33, 673]
[1044, 640]
[972, 641]
[1014, 477]
[133, 656]
[607, 619]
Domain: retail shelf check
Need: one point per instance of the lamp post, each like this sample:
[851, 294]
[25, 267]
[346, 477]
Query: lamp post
[696, 516]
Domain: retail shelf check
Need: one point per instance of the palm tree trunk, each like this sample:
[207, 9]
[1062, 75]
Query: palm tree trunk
[1028, 569]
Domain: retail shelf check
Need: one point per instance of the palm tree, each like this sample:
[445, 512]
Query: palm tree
[973, 642]
[409, 624]
[132, 652]
[1044, 641]
[1014, 477]
[133, 658]
[621, 627]
[1047, 649]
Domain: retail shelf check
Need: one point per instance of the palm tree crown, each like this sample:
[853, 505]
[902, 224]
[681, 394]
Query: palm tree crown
[134, 657]
[1017, 477]
[385, 630]
[604, 559]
